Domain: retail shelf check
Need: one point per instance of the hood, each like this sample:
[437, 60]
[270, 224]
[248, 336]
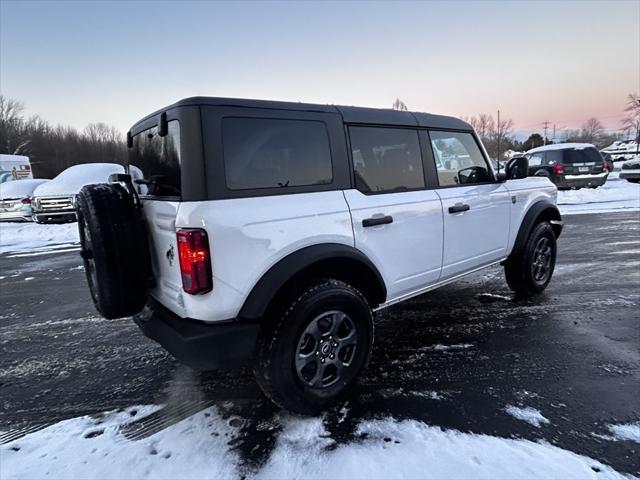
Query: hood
[20, 188]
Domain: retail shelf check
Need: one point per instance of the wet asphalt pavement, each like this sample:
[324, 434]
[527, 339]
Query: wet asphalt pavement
[453, 358]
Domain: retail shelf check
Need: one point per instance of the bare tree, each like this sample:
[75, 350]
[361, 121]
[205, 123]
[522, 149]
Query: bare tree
[631, 121]
[399, 105]
[102, 133]
[12, 138]
[592, 131]
[496, 138]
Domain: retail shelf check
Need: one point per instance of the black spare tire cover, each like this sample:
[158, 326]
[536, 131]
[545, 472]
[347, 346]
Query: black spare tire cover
[114, 249]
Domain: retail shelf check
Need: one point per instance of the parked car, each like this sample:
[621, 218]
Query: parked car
[630, 170]
[54, 202]
[568, 165]
[14, 167]
[608, 161]
[622, 150]
[272, 231]
[15, 199]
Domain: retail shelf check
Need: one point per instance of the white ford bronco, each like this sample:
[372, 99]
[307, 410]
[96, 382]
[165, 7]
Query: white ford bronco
[270, 232]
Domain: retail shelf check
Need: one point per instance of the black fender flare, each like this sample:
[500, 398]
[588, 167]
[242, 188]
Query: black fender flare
[540, 210]
[265, 290]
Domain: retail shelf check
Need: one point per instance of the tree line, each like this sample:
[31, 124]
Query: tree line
[50, 148]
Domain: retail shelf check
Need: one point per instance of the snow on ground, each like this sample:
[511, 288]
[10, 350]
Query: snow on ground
[198, 447]
[527, 414]
[630, 431]
[615, 195]
[22, 237]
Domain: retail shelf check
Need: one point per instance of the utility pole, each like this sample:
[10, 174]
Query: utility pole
[498, 159]
[546, 127]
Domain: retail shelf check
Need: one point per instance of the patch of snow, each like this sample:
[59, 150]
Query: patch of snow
[29, 278]
[560, 146]
[614, 195]
[630, 431]
[26, 237]
[443, 348]
[200, 447]
[411, 449]
[87, 447]
[528, 414]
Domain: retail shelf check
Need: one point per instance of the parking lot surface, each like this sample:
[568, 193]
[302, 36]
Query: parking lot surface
[461, 357]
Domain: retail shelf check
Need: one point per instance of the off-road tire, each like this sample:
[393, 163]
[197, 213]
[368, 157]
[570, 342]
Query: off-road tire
[518, 268]
[274, 364]
[114, 249]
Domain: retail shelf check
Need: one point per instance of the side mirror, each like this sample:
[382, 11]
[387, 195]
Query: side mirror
[517, 167]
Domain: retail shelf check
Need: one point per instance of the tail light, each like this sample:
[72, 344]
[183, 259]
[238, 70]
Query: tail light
[26, 201]
[558, 169]
[26, 167]
[195, 260]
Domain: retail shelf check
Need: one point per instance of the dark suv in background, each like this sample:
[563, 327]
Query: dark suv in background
[568, 165]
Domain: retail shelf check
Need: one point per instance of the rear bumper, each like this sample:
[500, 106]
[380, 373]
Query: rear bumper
[577, 181]
[201, 346]
[55, 217]
[8, 216]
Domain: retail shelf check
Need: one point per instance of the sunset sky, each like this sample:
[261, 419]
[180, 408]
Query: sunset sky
[79, 62]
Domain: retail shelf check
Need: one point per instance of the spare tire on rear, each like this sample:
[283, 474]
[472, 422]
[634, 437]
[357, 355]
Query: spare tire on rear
[114, 249]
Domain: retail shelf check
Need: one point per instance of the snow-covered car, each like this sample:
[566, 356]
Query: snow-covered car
[15, 199]
[621, 150]
[54, 202]
[630, 170]
[14, 167]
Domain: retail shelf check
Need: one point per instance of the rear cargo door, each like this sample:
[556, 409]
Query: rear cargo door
[582, 161]
[158, 159]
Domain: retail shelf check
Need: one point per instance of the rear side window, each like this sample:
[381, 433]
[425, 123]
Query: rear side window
[386, 159]
[275, 153]
[582, 155]
[458, 159]
[159, 159]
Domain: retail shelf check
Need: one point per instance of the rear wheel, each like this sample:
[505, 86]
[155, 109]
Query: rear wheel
[315, 352]
[530, 270]
[542, 173]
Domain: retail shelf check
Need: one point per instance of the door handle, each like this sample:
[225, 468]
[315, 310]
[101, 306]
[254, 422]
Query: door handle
[373, 221]
[459, 207]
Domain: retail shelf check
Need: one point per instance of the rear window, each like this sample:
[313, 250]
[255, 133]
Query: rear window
[275, 153]
[159, 159]
[582, 155]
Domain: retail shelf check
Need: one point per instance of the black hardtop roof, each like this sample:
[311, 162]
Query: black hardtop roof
[374, 116]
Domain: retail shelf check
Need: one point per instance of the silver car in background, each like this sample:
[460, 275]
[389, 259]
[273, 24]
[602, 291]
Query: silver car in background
[15, 199]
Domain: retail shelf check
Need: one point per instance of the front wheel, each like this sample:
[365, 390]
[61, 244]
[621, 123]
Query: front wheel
[315, 352]
[530, 270]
